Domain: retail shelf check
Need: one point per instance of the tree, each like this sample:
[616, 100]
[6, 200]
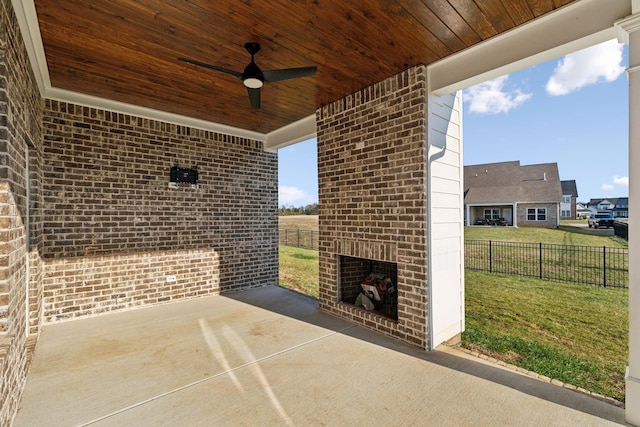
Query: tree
[311, 209]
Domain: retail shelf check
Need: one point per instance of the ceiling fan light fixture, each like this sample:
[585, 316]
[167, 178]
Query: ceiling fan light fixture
[253, 82]
[253, 78]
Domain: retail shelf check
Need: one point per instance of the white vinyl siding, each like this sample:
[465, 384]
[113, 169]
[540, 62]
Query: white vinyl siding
[447, 233]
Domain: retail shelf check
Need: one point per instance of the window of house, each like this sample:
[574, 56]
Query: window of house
[566, 199]
[491, 213]
[566, 213]
[536, 214]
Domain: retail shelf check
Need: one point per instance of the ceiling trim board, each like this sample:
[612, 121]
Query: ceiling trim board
[27, 17]
[148, 113]
[290, 134]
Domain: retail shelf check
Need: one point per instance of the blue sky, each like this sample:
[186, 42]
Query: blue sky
[572, 110]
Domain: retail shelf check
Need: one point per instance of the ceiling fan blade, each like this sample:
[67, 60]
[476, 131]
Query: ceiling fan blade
[212, 67]
[254, 97]
[288, 73]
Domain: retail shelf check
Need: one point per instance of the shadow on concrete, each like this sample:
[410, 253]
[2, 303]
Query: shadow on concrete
[292, 304]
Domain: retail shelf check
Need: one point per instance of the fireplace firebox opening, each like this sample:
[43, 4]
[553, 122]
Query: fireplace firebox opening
[370, 284]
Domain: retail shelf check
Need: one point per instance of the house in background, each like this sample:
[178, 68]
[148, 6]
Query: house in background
[621, 208]
[597, 205]
[507, 193]
[582, 210]
[568, 208]
[617, 206]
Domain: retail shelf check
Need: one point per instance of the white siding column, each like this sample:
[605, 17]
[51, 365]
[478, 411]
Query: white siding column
[631, 34]
[445, 213]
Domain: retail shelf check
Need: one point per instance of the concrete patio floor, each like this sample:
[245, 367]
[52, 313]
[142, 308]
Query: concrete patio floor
[269, 357]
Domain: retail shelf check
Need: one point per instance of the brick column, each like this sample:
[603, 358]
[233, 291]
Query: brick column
[372, 191]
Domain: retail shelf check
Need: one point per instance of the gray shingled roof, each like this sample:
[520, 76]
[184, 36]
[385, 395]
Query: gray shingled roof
[613, 200]
[508, 182]
[569, 187]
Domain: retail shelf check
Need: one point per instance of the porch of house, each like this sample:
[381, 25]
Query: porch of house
[269, 356]
[495, 215]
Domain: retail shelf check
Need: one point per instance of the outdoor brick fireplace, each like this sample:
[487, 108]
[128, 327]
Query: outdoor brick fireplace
[370, 284]
[372, 161]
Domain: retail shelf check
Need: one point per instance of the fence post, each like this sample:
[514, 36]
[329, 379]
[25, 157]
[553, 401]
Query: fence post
[490, 257]
[604, 266]
[540, 257]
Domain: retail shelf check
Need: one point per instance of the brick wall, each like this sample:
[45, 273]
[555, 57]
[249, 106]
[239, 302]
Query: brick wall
[114, 229]
[20, 126]
[350, 275]
[552, 215]
[372, 192]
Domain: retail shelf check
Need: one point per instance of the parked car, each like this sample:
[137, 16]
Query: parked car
[601, 220]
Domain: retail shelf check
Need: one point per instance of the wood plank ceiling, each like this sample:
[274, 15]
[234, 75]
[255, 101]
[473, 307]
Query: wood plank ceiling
[126, 50]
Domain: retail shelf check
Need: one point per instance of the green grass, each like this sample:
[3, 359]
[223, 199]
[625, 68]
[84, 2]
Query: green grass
[299, 269]
[566, 235]
[572, 333]
[572, 221]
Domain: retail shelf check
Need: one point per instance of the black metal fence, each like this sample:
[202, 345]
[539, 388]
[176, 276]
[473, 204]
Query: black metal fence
[301, 238]
[621, 229]
[592, 265]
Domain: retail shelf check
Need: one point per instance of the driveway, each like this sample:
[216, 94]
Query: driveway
[584, 228]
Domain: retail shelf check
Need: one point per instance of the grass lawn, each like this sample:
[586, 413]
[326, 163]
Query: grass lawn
[566, 235]
[299, 269]
[576, 334]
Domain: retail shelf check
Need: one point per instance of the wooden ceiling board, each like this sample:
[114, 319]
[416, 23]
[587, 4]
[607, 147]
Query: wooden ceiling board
[496, 15]
[432, 24]
[472, 14]
[452, 19]
[127, 50]
[540, 7]
[518, 10]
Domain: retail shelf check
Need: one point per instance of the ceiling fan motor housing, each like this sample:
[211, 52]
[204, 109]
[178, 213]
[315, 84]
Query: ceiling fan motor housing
[252, 76]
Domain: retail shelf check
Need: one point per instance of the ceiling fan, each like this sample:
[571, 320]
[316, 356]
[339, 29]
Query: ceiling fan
[253, 77]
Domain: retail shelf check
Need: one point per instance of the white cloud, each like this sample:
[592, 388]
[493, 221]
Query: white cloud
[292, 196]
[602, 62]
[621, 180]
[493, 98]
[617, 180]
[290, 148]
